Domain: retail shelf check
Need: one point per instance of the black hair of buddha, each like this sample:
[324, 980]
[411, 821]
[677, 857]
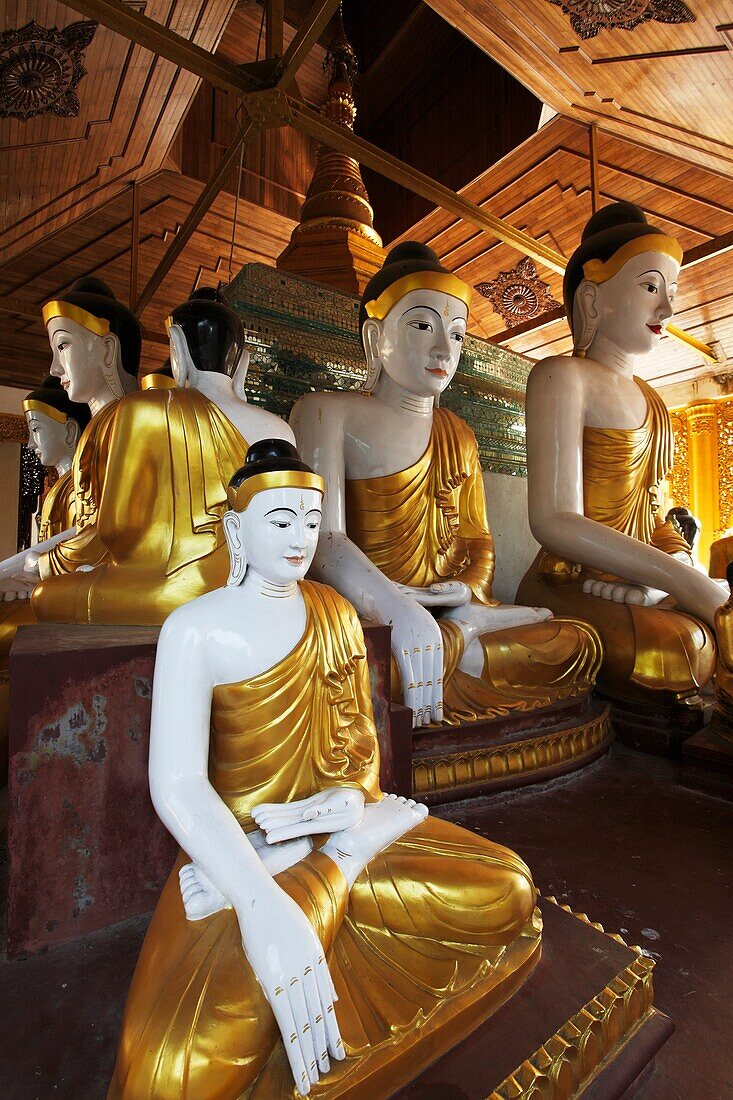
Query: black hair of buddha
[213, 331]
[609, 229]
[407, 258]
[269, 456]
[94, 296]
[52, 393]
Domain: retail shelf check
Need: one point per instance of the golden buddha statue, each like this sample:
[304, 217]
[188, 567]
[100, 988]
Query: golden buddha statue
[721, 553]
[312, 930]
[405, 528]
[55, 425]
[152, 479]
[599, 441]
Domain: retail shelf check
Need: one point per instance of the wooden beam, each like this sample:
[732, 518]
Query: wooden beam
[134, 242]
[708, 250]
[166, 43]
[195, 215]
[543, 320]
[274, 40]
[594, 189]
[21, 307]
[302, 43]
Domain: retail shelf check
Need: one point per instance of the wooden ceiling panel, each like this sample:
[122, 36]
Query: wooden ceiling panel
[131, 103]
[668, 86]
[100, 244]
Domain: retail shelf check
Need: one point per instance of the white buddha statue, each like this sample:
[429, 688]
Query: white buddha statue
[312, 931]
[599, 441]
[405, 535]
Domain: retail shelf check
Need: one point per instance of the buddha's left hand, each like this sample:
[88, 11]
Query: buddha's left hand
[329, 811]
[439, 594]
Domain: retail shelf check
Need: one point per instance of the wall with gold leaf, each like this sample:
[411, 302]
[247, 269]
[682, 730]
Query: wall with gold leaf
[702, 476]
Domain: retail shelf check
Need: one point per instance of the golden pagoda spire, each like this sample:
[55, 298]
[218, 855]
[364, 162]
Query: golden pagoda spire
[335, 241]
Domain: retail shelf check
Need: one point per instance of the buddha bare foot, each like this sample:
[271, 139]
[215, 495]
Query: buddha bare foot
[638, 594]
[383, 823]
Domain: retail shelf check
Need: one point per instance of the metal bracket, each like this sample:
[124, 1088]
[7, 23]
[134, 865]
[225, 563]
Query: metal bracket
[268, 109]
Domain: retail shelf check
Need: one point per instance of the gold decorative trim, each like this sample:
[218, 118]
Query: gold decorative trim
[598, 271]
[473, 767]
[98, 325]
[31, 406]
[155, 381]
[418, 280]
[569, 1060]
[240, 497]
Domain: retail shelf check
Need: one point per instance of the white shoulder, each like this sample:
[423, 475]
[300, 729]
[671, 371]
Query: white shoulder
[556, 372]
[266, 425]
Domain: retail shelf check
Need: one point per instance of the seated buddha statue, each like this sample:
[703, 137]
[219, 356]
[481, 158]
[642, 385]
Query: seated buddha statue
[313, 931]
[55, 424]
[405, 532]
[161, 479]
[599, 441]
[723, 714]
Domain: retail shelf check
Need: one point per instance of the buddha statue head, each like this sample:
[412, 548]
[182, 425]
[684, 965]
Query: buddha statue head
[688, 524]
[207, 338]
[95, 341]
[275, 514]
[55, 423]
[621, 281]
[413, 320]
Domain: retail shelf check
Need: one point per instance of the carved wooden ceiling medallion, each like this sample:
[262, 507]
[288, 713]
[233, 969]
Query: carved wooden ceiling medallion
[589, 17]
[40, 68]
[518, 295]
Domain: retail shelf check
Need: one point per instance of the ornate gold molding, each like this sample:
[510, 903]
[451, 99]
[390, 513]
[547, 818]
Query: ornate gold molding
[492, 763]
[569, 1059]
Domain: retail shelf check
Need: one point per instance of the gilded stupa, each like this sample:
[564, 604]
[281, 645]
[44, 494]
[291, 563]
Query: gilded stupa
[335, 242]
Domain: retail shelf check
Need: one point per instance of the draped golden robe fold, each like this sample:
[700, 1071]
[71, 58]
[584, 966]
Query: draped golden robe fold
[437, 929]
[428, 523]
[151, 480]
[724, 670]
[649, 652]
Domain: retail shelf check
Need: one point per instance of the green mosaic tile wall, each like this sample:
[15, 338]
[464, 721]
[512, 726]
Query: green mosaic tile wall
[304, 337]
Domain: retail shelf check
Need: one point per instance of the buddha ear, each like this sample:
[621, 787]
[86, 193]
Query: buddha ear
[237, 560]
[585, 315]
[240, 375]
[112, 364]
[182, 365]
[73, 431]
[371, 334]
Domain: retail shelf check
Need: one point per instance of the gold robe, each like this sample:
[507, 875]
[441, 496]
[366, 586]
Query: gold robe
[428, 523]
[650, 653]
[436, 931]
[721, 553]
[151, 475]
[724, 670]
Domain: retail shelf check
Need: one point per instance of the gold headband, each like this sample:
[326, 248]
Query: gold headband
[419, 280]
[98, 325]
[30, 406]
[273, 479]
[599, 271]
[155, 381]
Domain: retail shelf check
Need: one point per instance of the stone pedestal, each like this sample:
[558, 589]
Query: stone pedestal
[707, 760]
[86, 848]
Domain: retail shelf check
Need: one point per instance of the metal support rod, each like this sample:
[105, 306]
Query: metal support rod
[594, 193]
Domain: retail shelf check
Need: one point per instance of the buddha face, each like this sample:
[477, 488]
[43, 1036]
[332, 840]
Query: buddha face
[51, 441]
[278, 532]
[633, 307]
[84, 362]
[420, 340]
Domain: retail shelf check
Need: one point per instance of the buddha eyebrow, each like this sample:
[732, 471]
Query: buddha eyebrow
[291, 510]
[428, 308]
[653, 271]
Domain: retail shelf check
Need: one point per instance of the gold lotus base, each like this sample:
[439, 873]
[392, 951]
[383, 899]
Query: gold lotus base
[576, 1055]
[463, 773]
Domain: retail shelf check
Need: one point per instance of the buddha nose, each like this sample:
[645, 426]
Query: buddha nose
[441, 350]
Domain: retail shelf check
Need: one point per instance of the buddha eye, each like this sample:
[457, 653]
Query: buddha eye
[457, 336]
[281, 523]
[312, 525]
[651, 287]
[62, 345]
[423, 326]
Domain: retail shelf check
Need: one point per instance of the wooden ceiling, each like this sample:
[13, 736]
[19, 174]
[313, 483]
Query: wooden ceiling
[660, 95]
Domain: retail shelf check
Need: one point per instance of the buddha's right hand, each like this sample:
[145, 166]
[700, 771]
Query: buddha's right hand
[289, 962]
[439, 594]
[417, 645]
